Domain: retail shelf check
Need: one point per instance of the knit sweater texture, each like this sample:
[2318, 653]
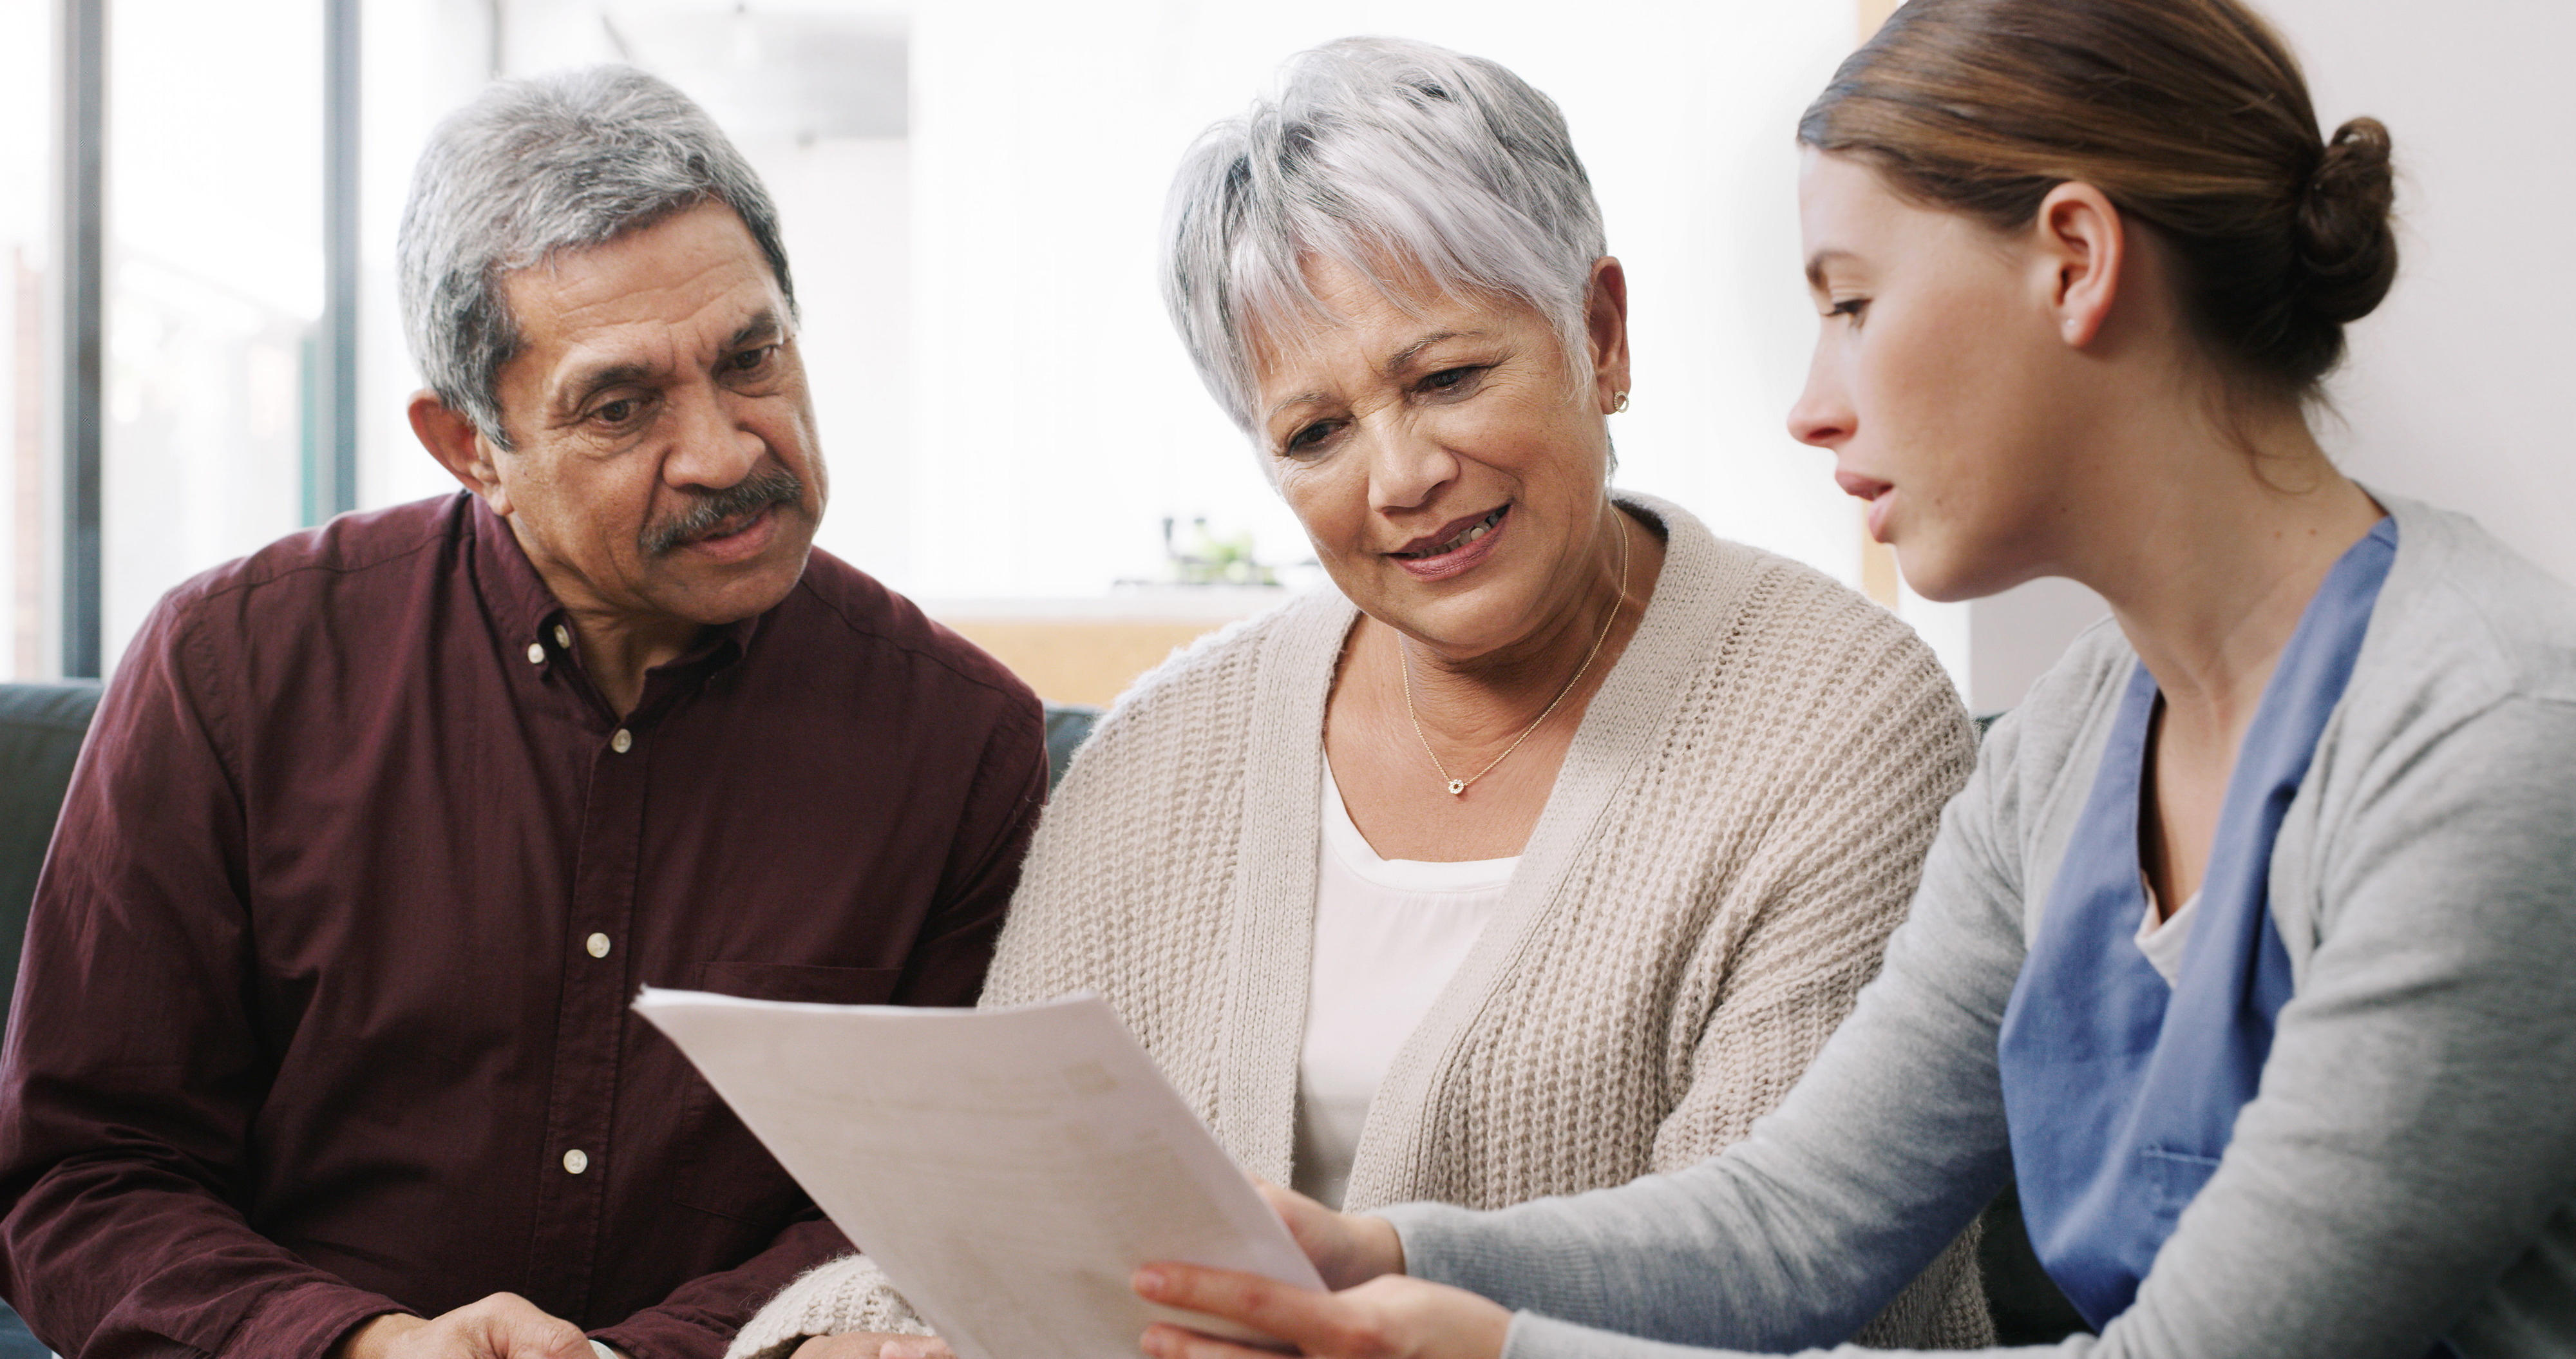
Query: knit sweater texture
[1735, 830]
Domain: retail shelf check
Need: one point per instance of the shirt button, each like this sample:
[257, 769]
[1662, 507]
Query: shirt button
[536, 653]
[576, 1161]
[597, 945]
[622, 742]
[563, 638]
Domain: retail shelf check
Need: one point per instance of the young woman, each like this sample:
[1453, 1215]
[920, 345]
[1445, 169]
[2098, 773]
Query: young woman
[2246, 950]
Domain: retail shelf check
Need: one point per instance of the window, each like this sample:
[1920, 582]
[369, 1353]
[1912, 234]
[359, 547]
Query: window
[214, 289]
[29, 81]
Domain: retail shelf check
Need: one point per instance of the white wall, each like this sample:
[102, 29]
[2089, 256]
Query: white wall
[846, 203]
[2448, 395]
[1008, 413]
[1055, 418]
[1003, 402]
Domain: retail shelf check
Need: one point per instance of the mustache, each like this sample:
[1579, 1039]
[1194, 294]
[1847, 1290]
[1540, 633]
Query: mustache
[770, 486]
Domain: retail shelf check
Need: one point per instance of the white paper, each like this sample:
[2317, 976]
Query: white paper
[1009, 1169]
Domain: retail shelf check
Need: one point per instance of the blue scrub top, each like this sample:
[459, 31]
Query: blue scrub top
[2121, 1092]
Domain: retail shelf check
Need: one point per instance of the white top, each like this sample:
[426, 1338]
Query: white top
[1389, 934]
[2163, 940]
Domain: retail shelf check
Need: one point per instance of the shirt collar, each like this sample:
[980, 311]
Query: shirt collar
[518, 600]
[514, 595]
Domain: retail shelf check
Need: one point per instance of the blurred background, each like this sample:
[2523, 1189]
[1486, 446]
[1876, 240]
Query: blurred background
[201, 350]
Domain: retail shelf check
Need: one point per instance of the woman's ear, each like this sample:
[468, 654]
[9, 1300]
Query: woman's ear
[1605, 321]
[2082, 243]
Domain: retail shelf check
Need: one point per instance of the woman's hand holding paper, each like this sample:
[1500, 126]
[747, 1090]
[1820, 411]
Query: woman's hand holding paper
[874, 1345]
[1389, 1317]
[1374, 1312]
[1348, 1249]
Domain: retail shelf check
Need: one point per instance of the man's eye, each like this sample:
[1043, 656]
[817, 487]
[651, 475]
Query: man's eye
[616, 412]
[753, 360]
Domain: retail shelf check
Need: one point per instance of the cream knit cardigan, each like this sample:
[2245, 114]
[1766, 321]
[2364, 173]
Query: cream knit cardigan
[1736, 828]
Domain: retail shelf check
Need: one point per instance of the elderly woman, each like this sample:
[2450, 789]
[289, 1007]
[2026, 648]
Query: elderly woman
[1547, 851]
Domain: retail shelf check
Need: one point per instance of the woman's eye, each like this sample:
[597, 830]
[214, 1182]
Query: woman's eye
[1450, 379]
[1309, 439]
[1851, 307]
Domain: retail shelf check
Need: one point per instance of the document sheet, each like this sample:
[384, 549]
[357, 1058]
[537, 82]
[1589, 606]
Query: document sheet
[1008, 1168]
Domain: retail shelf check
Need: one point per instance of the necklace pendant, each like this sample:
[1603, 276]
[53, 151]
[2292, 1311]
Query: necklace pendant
[1457, 787]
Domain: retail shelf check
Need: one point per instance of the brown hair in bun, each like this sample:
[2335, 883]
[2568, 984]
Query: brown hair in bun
[2190, 115]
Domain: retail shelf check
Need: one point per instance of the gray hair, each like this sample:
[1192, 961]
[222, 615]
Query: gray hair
[1393, 159]
[538, 166]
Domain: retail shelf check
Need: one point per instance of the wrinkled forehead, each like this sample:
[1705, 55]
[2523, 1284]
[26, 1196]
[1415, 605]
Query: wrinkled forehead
[1338, 310]
[669, 271]
[682, 290]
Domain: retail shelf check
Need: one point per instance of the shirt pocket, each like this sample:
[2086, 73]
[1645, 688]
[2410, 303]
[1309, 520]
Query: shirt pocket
[2172, 1179]
[721, 1167]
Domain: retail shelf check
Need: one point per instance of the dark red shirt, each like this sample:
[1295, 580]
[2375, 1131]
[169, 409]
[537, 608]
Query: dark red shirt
[324, 1006]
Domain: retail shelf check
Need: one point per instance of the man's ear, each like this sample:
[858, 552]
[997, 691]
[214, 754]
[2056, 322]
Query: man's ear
[459, 447]
[2082, 243]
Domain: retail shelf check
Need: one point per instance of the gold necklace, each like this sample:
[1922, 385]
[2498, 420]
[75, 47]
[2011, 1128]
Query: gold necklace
[1458, 786]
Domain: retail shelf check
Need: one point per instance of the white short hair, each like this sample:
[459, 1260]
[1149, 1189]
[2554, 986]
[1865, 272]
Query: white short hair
[1398, 160]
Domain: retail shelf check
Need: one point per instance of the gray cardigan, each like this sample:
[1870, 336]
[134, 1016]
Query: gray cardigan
[2408, 1170]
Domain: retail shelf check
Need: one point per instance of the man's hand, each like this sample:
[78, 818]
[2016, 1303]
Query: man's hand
[1385, 1318]
[502, 1326]
[1347, 1250]
[873, 1345]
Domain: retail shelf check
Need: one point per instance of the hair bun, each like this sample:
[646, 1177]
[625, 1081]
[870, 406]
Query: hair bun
[2346, 241]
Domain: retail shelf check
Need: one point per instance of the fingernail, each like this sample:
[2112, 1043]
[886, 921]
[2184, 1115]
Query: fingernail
[1149, 1280]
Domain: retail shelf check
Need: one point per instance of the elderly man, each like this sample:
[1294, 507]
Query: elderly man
[322, 1042]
